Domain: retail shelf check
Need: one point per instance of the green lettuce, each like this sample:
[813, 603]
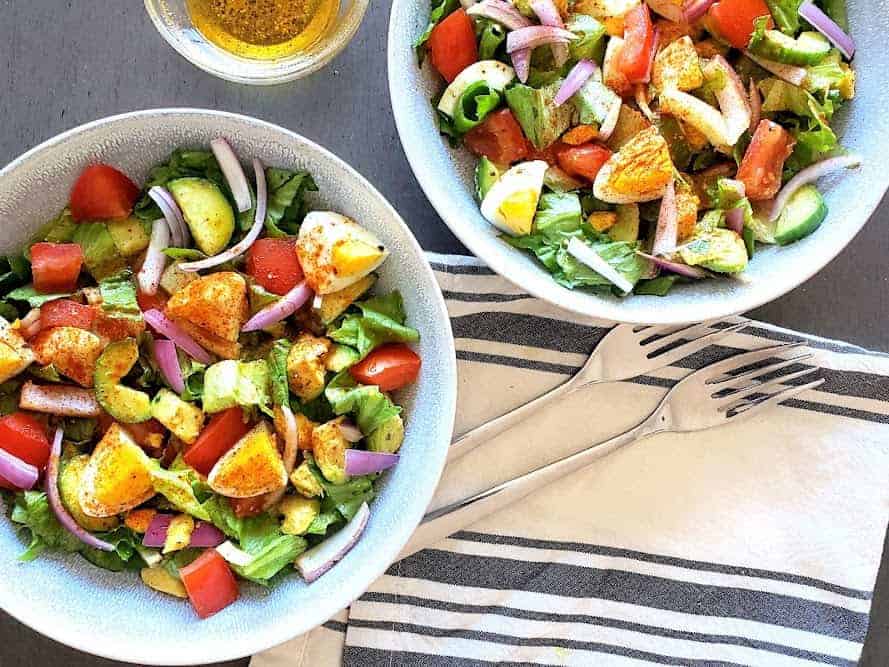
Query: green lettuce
[381, 320]
[786, 15]
[440, 9]
[183, 162]
[277, 363]
[490, 36]
[119, 296]
[558, 215]
[177, 487]
[34, 298]
[286, 202]
[340, 502]
[535, 110]
[229, 383]
[370, 406]
[590, 42]
[100, 254]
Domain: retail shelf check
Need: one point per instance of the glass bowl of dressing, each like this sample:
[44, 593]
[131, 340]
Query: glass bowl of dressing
[258, 42]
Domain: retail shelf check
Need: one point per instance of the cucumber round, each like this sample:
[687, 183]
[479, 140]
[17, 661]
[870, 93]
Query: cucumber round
[206, 210]
[803, 214]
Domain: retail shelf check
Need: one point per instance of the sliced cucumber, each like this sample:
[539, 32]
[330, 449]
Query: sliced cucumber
[206, 210]
[803, 214]
[486, 174]
[810, 48]
[125, 404]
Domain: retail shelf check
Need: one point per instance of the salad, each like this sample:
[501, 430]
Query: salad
[195, 382]
[632, 145]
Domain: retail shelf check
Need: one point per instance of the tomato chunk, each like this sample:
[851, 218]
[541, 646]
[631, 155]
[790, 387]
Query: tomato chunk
[452, 45]
[274, 265]
[56, 266]
[733, 20]
[390, 367]
[156, 301]
[499, 138]
[763, 163]
[101, 192]
[66, 313]
[636, 54]
[24, 437]
[210, 584]
[583, 161]
[247, 507]
[220, 435]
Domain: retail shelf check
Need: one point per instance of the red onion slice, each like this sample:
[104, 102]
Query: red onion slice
[666, 233]
[244, 244]
[810, 175]
[168, 362]
[164, 325]
[156, 535]
[675, 267]
[350, 431]
[734, 220]
[502, 12]
[695, 9]
[234, 174]
[62, 400]
[55, 500]
[577, 77]
[827, 27]
[283, 307]
[537, 35]
[641, 95]
[521, 63]
[789, 73]
[149, 275]
[168, 206]
[318, 560]
[755, 106]
[586, 255]
[548, 14]
[20, 474]
[360, 462]
[611, 119]
[206, 535]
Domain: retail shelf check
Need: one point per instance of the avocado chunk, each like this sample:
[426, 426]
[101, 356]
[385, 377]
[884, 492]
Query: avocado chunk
[340, 358]
[329, 447]
[810, 48]
[125, 404]
[129, 236]
[184, 420]
[720, 250]
[535, 109]
[305, 482]
[206, 210]
[486, 174]
[388, 437]
[69, 489]
[627, 226]
[298, 514]
[803, 214]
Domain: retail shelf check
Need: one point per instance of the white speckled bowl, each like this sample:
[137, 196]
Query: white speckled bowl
[447, 178]
[114, 615]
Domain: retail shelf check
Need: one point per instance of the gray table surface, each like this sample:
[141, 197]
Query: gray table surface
[64, 63]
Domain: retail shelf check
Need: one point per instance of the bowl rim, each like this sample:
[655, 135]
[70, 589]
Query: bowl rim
[579, 302]
[411, 516]
[353, 20]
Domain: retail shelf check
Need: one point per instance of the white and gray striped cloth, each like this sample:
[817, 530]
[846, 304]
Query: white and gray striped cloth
[754, 544]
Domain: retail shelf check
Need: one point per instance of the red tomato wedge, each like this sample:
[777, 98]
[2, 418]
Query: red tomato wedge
[101, 192]
[24, 437]
[583, 161]
[157, 301]
[452, 45]
[733, 20]
[247, 507]
[763, 163]
[66, 313]
[390, 367]
[56, 266]
[220, 435]
[636, 54]
[499, 138]
[210, 584]
[274, 265]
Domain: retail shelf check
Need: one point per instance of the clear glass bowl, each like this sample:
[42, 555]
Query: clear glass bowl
[174, 24]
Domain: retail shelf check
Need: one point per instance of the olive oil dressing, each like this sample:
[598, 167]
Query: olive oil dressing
[263, 29]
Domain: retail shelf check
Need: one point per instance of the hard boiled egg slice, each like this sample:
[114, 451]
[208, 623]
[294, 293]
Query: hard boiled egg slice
[117, 477]
[511, 203]
[250, 468]
[336, 252]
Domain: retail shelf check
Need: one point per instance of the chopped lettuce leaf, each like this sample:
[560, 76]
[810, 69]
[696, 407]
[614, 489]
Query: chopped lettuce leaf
[182, 162]
[100, 254]
[660, 286]
[119, 296]
[490, 36]
[590, 42]
[176, 487]
[277, 364]
[536, 111]
[60, 230]
[344, 499]
[229, 383]
[370, 406]
[79, 430]
[440, 9]
[273, 556]
[786, 15]
[9, 396]
[558, 215]
[34, 298]
[286, 204]
[382, 320]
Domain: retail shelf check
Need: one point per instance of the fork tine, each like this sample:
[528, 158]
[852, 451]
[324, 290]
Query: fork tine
[674, 334]
[720, 368]
[736, 396]
[692, 346]
[754, 407]
[738, 381]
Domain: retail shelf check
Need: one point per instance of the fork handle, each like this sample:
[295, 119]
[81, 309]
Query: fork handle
[445, 521]
[489, 430]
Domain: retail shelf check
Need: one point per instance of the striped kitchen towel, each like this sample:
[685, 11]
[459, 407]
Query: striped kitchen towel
[754, 544]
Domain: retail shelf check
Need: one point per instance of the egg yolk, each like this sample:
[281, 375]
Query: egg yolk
[517, 210]
[350, 257]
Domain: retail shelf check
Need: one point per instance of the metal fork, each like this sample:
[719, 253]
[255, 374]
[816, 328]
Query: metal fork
[626, 352]
[719, 394]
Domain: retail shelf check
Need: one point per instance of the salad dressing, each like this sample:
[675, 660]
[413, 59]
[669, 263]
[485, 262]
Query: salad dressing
[263, 29]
